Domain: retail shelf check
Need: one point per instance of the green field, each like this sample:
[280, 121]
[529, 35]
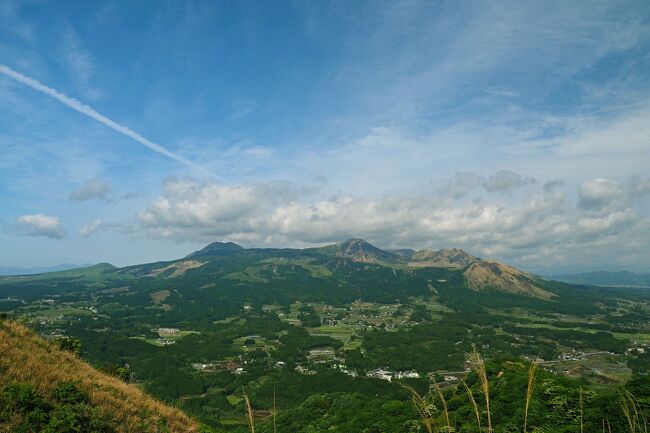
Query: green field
[55, 312]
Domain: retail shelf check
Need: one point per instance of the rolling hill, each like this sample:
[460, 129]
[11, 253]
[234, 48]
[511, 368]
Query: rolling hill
[34, 363]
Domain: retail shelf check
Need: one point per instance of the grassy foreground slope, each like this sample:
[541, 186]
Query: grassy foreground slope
[31, 361]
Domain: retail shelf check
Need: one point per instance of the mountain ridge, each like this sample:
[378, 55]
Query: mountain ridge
[479, 274]
[476, 273]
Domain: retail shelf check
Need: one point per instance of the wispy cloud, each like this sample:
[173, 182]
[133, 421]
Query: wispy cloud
[90, 228]
[78, 60]
[93, 114]
[505, 180]
[11, 22]
[90, 190]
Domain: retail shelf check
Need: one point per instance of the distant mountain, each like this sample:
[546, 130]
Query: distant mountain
[404, 252]
[606, 279]
[452, 258]
[485, 274]
[478, 274]
[335, 268]
[359, 250]
[216, 249]
[13, 270]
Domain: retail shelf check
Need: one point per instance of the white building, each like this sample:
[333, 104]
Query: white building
[381, 374]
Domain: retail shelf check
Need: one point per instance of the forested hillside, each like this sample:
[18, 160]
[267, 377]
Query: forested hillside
[302, 330]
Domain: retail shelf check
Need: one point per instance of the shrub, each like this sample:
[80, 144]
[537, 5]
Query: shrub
[66, 412]
[70, 344]
[68, 393]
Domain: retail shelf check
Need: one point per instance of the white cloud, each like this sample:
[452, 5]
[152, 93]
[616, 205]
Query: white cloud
[597, 193]
[91, 190]
[40, 225]
[543, 227]
[90, 228]
[208, 208]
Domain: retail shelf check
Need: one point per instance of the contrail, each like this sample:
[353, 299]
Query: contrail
[92, 113]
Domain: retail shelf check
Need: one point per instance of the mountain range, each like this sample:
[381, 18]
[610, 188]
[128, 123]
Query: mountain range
[475, 273]
[606, 279]
[17, 270]
[478, 274]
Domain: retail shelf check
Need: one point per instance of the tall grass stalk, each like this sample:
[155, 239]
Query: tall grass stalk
[474, 405]
[581, 413]
[444, 404]
[249, 412]
[274, 428]
[532, 373]
[634, 416]
[478, 365]
[423, 409]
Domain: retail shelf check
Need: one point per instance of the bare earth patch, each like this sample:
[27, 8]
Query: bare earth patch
[179, 268]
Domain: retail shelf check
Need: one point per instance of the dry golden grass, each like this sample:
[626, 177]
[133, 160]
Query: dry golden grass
[423, 409]
[532, 373]
[250, 416]
[472, 400]
[27, 358]
[444, 404]
[274, 411]
[633, 414]
[478, 365]
[582, 413]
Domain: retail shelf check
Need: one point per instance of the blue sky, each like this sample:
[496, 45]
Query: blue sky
[517, 130]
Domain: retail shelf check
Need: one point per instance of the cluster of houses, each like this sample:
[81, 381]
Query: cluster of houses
[304, 370]
[636, 349]
[575, 355]
[388, 375]
[322, 354]
[218, 366]
[368, 317]
[166, 336]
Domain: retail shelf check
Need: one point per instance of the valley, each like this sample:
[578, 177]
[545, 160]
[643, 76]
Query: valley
[293, 325]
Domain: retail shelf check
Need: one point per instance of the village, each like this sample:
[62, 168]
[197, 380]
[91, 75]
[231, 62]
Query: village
[347, 324]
